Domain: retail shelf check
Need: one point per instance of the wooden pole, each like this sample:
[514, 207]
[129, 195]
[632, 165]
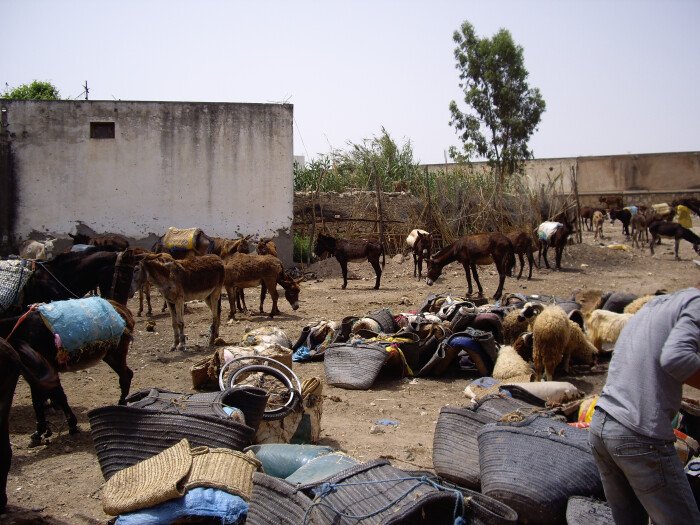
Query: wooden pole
[574, 183]
[380, 209]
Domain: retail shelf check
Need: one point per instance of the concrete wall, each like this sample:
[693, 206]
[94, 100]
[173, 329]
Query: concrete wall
[642, 178]
[226, 168]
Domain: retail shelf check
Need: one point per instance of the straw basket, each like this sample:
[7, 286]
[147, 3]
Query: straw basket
[125, 435]
[353, 366]
[455, 449]
[588, 511]
[535, 466]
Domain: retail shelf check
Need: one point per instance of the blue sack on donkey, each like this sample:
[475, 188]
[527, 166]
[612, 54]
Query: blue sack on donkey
[78, 324]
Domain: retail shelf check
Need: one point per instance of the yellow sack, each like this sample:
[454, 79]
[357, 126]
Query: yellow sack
[585, 411]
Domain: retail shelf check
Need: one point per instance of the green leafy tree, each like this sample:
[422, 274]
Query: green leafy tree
[504, 110]
[37, 90]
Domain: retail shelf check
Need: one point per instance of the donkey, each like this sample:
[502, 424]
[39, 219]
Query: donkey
[185, 280]
[598, 220]
[674, 230]
[115, 240]
[639, 228]
[244, 270]
[351, 250]
[625, 217]
[470, 250]
[558, 239]
[421, 244]
[522, 246]
[72, 275]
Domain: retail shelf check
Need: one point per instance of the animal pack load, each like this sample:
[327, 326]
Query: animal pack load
[180, 238]
[547, 229]
[79, 324]
[14, 275]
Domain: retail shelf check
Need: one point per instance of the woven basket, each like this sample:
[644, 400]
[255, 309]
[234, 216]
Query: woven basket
[455, 449]
[498, 405]
[353, 366]
[588, 511]
[535, 466]
[125, 435]
[382, 491]
[276, 502]
[483, 510]
[385, 319]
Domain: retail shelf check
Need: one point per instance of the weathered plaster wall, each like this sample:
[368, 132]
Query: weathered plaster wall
[226, 168]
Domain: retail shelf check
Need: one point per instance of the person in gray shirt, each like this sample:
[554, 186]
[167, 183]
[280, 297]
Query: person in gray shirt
[630, 433]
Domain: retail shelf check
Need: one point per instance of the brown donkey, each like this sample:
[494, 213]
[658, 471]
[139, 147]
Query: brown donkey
[351, 250]
[522, 246]
[470, 250]
[186, 280]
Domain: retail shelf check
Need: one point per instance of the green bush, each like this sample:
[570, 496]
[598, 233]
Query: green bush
[302, 248]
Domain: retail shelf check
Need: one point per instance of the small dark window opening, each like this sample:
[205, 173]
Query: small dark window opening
[101, 130]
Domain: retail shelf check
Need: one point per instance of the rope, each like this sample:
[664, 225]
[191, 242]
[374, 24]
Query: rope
[522, 413]
[57, 280]
[22, 319]
[326, 489]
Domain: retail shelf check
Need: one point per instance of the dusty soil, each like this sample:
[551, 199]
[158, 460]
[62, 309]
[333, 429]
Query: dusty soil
[60, 482]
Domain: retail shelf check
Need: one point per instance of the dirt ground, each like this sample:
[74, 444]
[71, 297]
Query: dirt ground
[61, 482]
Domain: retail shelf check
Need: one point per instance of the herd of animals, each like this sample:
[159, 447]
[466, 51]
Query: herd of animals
[210, 264]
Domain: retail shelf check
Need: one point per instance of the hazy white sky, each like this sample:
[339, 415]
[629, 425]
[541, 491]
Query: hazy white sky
[617, 76]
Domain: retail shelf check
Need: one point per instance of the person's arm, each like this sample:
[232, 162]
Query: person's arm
[680, 355]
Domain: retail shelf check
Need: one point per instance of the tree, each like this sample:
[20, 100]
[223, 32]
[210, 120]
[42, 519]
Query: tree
[37, 90]
[505, 111]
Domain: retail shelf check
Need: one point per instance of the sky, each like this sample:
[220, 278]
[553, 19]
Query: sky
[617, 76]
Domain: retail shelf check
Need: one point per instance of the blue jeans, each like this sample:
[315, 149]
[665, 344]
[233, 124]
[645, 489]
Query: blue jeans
[642, 477]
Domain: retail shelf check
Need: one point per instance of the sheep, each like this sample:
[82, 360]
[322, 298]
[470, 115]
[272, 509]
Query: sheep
[555, 339]
[598, 220]
[41, 251]
[509, 364]
[604, 326]
[513, 327]
[523, 345]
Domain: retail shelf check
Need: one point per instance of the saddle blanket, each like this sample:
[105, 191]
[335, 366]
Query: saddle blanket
[662, 208]
[81, 321]
[632, 209]
[14, 275]
[183, 239]
[547, 229]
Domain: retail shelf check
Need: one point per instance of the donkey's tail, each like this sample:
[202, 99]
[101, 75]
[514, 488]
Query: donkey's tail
[383, 256]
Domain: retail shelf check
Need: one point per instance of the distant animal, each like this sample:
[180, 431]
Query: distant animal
[244, 270]
[41, 251]
[674, 230]
[586, 214]
[639, 228]
[549, 234]
[351, 250]
[28, 348]
[186, 280]
[523, 246]
[420, 242]
[597, 221]
[472, 250]
[119, 242]
[267, 247]
[72, 275]
[611, 201]
[625, 216]
[184, 243]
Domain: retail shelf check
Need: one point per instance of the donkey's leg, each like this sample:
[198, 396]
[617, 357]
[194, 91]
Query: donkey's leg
[231, 292]
[147, 293]
[8, 382]
[344, 269]
[469, 278]
[213, 301]
[420, 267]
[180, 312]
[116, 360]
[476, 279]
[415, 266]
[531, 262]
[678, 241]
[377, 270]
[521, 257]
[176, 325]
[58, 396]
[263, 293]
[42, 427]
[272, 288]
[558, 251]
[545, 247]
